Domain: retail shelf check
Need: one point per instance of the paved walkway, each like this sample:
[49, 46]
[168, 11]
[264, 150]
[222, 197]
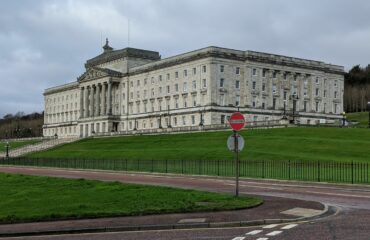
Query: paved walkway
[41, 146]
[269, 212]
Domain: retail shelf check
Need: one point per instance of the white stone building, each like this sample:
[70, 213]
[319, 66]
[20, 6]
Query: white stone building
[132, 89]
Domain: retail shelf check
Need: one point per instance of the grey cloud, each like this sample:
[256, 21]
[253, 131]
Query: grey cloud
[46, 43]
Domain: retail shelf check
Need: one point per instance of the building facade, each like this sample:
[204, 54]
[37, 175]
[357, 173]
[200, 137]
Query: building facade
[131, 89]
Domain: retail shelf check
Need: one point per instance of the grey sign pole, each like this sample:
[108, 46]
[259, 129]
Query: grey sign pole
[237, 169]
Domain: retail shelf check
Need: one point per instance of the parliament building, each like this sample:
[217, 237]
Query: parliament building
[133, 90]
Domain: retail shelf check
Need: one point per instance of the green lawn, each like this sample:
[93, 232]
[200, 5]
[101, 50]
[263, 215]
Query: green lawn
[29, 198]
[361, 117]
[16, 144]
[332, 144]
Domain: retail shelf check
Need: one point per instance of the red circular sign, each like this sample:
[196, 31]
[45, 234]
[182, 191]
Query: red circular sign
[237, 121]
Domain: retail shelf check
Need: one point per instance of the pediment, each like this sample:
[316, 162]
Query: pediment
[96, 73]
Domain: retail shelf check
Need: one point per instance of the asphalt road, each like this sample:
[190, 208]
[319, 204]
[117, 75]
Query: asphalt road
[351, 222]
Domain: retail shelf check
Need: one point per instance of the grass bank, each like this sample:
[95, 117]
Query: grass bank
[306, 143]
[361, 117]
[30, 198]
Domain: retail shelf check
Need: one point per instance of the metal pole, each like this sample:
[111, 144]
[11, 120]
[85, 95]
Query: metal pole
[368, 107]
[236, 164]
[7, 150]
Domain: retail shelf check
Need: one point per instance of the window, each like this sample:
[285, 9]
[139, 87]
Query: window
[285, 76]
[204, 68]
[317, 92]
[176, 74]
[168, 76]
[295, 78]
[138, 83]
[254, 72]
[168, 89]
[237, 70]
[145, 93]
[194, 85]
[223, 117]
[185, 87]
[263, 87]
[145, 107]
[335, 108]
[285, 95]
[324, 93]
[131, 95]
[175, 121]
[192, 119]
[176, 87]
[317, 106]
[152, 92]
[237, 84]
[237, 100]
[160, 90]
[194, 102]
[263, 105]
[254, 85]
[222, 68]
[204, 82]
[131, 84]
[152, 80]
[185, 102]
[264, 72]
[254, 103]
[335, 83]
[305, 106]
[185, 73]
[335, 94]
[305, 93]
[176, 103]
[160, 78]
[137, 94]
[145, 81]
[317, 80]
[274, 103]
[222, 82]
[274, 88]
[274, 74]
[183, 120]
[194, 71]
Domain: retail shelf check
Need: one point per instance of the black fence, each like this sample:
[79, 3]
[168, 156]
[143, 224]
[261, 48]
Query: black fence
[318, 171]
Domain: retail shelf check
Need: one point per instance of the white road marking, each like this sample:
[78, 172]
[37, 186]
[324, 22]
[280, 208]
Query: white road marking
[262, 238]
[274, 233]
[239, 238]
[270, 226]
[289, 226]
[254, 232]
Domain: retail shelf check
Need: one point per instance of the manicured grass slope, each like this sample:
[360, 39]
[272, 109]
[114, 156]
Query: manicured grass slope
[17, 144]
[26, 198]
[334, 144]
[361, 117]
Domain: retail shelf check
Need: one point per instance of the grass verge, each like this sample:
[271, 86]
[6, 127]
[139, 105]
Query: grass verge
[30, 198]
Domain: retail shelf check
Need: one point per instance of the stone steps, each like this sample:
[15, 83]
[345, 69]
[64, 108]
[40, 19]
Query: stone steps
[38, 147]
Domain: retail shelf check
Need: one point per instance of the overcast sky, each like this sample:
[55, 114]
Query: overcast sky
[46, 43]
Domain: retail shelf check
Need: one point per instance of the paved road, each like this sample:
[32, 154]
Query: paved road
[352, 222]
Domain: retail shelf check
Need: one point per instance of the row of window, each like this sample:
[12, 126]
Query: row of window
[168, 77]
[168, 89]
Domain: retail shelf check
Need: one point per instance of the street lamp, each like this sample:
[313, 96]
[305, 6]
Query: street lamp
[201, 123]
[368, 106]
[7, 149]
[343, 119]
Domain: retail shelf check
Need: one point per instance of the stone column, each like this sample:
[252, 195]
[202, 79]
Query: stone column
[85, 106]
[97, 100]
[103, 103]
[91, 105]
[81, 102]
[109, 102]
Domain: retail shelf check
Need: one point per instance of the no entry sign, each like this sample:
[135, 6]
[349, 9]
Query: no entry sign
[237, 121]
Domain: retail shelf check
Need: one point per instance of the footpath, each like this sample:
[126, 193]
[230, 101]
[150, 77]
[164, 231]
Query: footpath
[273, 210]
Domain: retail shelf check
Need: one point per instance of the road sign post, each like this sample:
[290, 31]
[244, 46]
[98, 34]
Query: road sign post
[237, 123]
